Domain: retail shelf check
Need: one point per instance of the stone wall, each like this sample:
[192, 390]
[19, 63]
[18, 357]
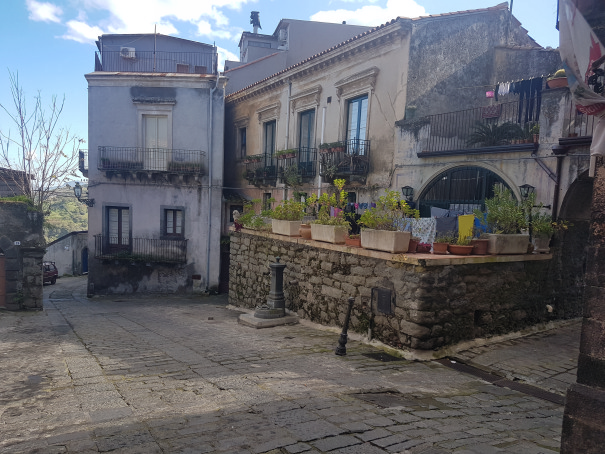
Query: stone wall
[436, 301]
[21, 242]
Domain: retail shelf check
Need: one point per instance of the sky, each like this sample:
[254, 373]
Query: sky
[50, 44]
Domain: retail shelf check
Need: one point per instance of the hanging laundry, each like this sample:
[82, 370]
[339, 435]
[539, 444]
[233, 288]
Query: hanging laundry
[437, 212]
[424, 228]
[447, 226]
[465, 225]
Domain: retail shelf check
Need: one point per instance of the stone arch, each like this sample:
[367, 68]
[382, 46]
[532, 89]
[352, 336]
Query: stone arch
[472, 184]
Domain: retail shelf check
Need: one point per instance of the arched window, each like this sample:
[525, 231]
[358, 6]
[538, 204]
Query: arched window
[459, 188]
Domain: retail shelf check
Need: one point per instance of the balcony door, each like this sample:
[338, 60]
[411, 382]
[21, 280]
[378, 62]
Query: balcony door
[155, 142]
[118, 228]
[357, 117]
[306, 140]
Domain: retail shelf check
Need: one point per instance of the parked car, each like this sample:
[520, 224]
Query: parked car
[50, 272]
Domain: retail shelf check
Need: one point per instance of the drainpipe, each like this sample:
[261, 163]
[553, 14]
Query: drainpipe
[560, 152]
[323, 128]
[285, 195]
[210, 149]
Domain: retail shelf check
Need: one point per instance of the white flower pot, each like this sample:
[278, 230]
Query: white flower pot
[541, 244]
[509, 243]
[385, 240]
[329, 233]
[287, 228]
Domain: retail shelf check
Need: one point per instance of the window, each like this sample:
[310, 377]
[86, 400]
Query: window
[269, 131]
[173, 223]
[356, 124]
[155, 138]
[242, 142]
[118, 227]
[266, 201]
[182, 68]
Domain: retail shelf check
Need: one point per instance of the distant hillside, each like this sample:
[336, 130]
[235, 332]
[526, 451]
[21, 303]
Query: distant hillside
[66, 215]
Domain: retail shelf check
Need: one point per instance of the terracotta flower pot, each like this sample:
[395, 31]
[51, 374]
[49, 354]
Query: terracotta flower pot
[353, 242]
[479, 246]
[423, 248]
[457, 249]
[413, 246]
[305, 231]
[440, 248]
[559, 82]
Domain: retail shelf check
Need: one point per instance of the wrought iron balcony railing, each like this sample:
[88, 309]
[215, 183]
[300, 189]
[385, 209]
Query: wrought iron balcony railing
[83, 162]
[140, 249]
[303, 164]
[260, 167]
[351, 157]
[499, 125]
[576, 125]
[156, 62]
[134, 159]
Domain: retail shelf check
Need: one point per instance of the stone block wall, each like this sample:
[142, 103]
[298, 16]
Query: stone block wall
[434, 302]
[21, 242]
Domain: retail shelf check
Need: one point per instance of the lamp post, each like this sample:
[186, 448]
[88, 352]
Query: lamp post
[78, 194]
[526, 191]
[408, 193]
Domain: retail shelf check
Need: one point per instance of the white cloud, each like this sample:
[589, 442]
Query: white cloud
[372, 15]
[140, 16]
[81, 32]
[43, 12]
[224, 54]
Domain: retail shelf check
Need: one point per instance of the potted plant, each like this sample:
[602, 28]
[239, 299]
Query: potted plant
[287, 217]
[441, 243]
[505, 219]
[460, 246]
[353, 240]
[493, 134]
[383, 225]
[557, 80]
[328, 228]
[535, 130]
[423, 248]
[413, 246]
[325, 147]
[250, 219]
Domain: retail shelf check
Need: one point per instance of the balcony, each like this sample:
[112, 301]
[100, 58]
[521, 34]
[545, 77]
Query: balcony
[136, 160]
[156, 62]
[301, 167]
[83, 162]
[345, 159]
[261, 170]
[148, 250]
[490, 129]
[577, 127]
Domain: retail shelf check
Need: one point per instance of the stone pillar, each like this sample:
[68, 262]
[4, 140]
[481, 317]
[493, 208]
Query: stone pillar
[584, 418]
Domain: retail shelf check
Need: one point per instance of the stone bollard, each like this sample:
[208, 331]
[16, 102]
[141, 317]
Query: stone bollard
[276, 302]
[341, 350]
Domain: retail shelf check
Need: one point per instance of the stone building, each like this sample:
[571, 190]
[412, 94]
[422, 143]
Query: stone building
[69, 253]
[155, 116]
[21, 251]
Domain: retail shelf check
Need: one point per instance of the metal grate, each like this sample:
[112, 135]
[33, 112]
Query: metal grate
[383, 300]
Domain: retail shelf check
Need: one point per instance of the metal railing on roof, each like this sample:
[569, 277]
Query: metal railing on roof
[157, 62]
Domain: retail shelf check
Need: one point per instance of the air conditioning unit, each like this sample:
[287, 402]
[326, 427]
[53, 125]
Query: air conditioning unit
[127, 52]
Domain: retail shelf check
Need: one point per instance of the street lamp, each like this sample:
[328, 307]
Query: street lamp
[408, 193]
[78, 194]
[526, 190]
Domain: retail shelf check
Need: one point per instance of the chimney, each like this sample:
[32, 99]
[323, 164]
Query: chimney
[255, 21]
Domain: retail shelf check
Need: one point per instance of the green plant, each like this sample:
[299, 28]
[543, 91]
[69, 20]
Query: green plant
[535, 129]
[558, 73]
[325, 203]
[288, 210]
[543, 225]
[354, 236]
[492, 134]
[390, 213]
[504, 213]
[461, 241]
[291, 176]
[445, 237]
[250, 219]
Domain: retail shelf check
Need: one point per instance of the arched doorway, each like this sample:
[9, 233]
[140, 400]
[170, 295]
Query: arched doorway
[85, 260]
[461, 188]
[2, 280]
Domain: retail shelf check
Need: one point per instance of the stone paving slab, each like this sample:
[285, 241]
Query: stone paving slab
[180, 375]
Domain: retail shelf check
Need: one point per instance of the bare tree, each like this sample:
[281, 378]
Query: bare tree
[42, 156]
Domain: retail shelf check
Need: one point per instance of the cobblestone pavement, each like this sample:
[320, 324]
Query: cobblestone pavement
[179, 375]
[548, 360]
